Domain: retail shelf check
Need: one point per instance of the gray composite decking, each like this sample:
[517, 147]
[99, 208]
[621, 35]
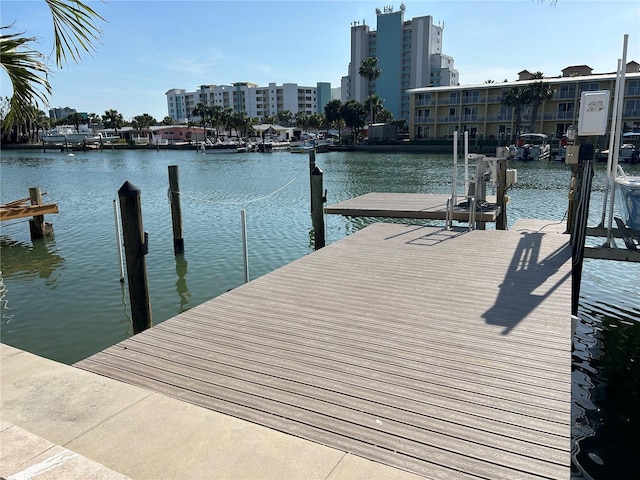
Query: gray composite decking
[443, 353]
[425, 206]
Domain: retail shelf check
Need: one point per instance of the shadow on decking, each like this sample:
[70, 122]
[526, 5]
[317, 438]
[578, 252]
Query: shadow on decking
[430, 236]
[526, 273]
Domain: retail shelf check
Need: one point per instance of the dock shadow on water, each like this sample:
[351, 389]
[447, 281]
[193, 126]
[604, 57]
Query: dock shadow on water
[520, 291]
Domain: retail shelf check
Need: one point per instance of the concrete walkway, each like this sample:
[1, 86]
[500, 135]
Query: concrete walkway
[58, 421]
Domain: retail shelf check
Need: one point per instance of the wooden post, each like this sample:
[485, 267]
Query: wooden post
[501, 221]
[317, 208]
[135, 249]
[176, 213]
[37, 226]
[312, 166]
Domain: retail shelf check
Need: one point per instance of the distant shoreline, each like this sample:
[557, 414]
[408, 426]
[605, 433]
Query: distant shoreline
[403, 147]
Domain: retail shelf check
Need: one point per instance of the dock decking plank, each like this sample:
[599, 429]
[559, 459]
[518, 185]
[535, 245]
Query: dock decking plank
[409, 205]
[445, 358]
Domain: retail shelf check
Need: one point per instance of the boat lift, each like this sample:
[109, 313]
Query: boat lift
[475, 186]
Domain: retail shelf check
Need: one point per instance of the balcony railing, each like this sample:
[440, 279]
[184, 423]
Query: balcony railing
[449, 118]
[422, 119]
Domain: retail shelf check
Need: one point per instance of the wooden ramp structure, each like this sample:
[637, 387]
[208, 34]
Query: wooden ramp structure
[20, 209]
[410, 205]
[446, 353]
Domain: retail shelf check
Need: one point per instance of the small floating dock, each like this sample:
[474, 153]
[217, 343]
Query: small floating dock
[411, 205]
[444, 353]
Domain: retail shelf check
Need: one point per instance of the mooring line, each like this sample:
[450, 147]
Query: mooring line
[213, 202]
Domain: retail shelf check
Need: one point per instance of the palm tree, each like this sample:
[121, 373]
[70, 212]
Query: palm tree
[374, 104]
[93, 119]
[74, 30]
[143, 122]
[333, 115]
[537, 93]
[202, 111]
[354, 115]
[516, 97]
[76, 120]
[113, 119]
[215, 117]
[369, 70]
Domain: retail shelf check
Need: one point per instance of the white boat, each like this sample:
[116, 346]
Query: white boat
[533, 146]
[629, 192]
[274, 146]
[630, 148]
[68, 134]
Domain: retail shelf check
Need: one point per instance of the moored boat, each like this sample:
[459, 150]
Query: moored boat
[533, 146]
[628, 187]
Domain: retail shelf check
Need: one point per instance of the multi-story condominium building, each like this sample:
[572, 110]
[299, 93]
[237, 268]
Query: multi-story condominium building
[409, 56]
[437, 112]
[248, 97]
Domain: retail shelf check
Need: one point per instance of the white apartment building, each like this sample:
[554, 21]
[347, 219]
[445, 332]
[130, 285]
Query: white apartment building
[409, 55]
[248, 97]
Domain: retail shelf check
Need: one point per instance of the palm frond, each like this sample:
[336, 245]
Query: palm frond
[28, 72]
[73, 28]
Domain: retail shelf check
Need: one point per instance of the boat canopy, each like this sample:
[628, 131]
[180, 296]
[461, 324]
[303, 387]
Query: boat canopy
[534, 135]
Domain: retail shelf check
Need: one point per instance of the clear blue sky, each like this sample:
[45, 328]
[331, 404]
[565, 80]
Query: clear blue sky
[151, 46]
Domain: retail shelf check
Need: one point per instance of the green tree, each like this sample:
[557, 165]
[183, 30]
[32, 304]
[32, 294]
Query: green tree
[537, 93]
[113, 119]
[284, 118]
[516, 97]
[333, 114]
[93, 119]
[374, 104]
[75, 30]
[370, 71]
[143, 122]
[76, 120]
[166, 121]
[202, 111]
[354, 115]
[315, 121]
[302, 120]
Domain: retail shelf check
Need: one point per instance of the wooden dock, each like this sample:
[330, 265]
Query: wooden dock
[20, 209]
[442, 353]
[410, 205]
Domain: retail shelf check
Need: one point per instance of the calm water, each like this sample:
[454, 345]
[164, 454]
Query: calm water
[61, 298]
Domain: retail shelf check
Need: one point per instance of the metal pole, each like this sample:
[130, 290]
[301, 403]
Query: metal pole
[454, 186]
[466, 162]
[118, 240]
[617, 133]
[614, 117]
[245, 249]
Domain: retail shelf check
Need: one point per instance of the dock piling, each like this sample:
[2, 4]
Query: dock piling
[37, 226]
[135, 249]
[312, 166]
[176, 212]
[317, 208]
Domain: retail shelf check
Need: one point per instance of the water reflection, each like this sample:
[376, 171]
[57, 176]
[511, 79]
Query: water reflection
[181, 282]
[606, 392]
[38, 259]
